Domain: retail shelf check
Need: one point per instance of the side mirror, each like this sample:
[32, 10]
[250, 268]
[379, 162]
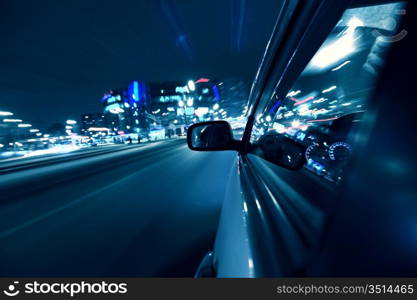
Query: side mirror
[211, 136]
[281, 151]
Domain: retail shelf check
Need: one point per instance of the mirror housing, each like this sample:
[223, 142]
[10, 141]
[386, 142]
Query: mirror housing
[281, 150]
[211, 136]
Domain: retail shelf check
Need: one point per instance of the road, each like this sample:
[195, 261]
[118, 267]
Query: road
[139, 210]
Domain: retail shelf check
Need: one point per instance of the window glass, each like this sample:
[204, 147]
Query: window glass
[327, 101]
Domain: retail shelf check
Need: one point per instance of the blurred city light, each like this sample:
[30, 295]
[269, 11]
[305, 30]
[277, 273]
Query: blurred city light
[53, 150]
[191, 85]
[190, 101]
[201, 111]
[12, 120]
[295, 123]
[71, 122]
[24, 125]
[99, 129]
[205, 80]
[329, 89]
[6, 113]
[117, 110]
[293, 93]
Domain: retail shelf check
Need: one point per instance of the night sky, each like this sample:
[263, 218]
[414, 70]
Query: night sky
[57, 58]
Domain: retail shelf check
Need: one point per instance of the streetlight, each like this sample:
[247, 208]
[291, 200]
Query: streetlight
[72, 122]
[216, 106]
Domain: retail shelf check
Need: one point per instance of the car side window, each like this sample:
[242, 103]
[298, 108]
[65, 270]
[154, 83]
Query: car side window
[324, 107]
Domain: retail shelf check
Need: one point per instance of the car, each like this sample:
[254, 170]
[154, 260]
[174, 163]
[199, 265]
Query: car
[324, 181]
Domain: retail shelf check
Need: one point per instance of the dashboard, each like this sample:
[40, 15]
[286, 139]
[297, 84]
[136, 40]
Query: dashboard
[328, 160]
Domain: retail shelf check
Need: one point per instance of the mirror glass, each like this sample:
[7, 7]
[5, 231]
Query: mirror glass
[211, 136]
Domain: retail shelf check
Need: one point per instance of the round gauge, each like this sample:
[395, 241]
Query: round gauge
[311, 150]
[340, 151]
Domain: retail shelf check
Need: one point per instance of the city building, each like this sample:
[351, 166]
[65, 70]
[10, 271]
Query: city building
[93, 120]
[170, 106]
[124, 110]
[184, 102]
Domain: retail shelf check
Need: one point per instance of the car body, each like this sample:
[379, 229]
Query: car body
[324, 182]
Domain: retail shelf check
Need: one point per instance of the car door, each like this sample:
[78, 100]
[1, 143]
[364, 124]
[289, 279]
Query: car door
[314, 87]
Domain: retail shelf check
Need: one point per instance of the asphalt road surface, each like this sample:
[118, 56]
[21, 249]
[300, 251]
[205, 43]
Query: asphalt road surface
[128, 210]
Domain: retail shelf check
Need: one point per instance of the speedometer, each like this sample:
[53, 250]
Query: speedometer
[311, 150]
[340, 151]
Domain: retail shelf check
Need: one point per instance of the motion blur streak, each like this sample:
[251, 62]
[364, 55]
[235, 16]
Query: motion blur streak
[149, 212]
